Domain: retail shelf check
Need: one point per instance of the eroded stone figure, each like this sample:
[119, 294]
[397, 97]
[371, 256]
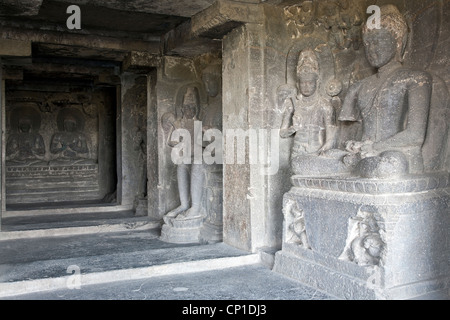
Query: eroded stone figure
[301, 17]
[308, 116]
[211, 78]
[70, 144]
[392, 105]
[26, 146]
[190, 177]
[364, 244]
[297, 228]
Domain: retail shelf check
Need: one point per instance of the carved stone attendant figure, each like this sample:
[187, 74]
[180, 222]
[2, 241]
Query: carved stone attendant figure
[364, 244]
[392, 105]
[297, 228]
[26, 146]
[212, 81]
[308, 116]
[70, 144]
[190, 177]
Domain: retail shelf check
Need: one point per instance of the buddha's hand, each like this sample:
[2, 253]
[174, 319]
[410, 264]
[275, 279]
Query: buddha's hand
[367, 150]
[363, 148]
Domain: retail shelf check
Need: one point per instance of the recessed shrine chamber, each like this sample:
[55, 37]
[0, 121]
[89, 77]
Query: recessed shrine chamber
[60, 141]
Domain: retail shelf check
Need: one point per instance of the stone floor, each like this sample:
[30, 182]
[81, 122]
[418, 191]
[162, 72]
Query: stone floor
[131, 263]
[252, 282]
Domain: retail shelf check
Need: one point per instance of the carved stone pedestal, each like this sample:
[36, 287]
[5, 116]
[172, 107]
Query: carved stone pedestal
[182, 230]
[211, 233]
[45, 184]
[212, 228]
[368, 239]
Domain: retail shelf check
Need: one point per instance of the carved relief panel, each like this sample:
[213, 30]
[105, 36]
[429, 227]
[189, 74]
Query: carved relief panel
[53, 137]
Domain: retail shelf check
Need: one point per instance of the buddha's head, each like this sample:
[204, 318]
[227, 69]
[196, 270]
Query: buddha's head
[70, 124]
[387, 43]
[25, 125]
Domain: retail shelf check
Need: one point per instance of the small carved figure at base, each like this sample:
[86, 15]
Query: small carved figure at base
[364, 244]
[297, 228]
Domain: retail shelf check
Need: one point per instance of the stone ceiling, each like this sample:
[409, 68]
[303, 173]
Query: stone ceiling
[113, 29]
[163, 7]
[154, 17]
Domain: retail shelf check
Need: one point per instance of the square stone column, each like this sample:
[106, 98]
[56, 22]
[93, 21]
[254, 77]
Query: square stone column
[2, 144]
[133, 116]
[249, 221]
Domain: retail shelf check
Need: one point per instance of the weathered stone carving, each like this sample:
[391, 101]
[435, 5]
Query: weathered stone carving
[25, 146]
[333, 89]
[393, 174]
[341, 19]
[296, 229]
[212, 80]
[70, 143]
[301, 18]
[309, 116]
[364, 245]
[198, 218]
[393, 106]
[190, 176]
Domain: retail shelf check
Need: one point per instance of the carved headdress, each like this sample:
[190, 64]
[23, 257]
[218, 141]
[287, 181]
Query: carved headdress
[191, 97]
[308, 65]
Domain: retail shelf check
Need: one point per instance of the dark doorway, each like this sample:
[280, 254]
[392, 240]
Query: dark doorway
[61, 134]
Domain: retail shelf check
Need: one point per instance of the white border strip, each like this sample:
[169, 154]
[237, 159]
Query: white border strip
[60, 211]
[56, 232]
[11, 289]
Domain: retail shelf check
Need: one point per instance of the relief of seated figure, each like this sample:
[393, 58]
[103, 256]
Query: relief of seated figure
[394, 108]
[70, 144]
[312, 116]
[25, 147]
[393, 105]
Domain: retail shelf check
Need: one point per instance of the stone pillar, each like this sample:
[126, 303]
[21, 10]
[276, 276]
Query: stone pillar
[132, 115]
[142, 68]
[152, 146]
[245, 192]
[2, 144]
[252, 195]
